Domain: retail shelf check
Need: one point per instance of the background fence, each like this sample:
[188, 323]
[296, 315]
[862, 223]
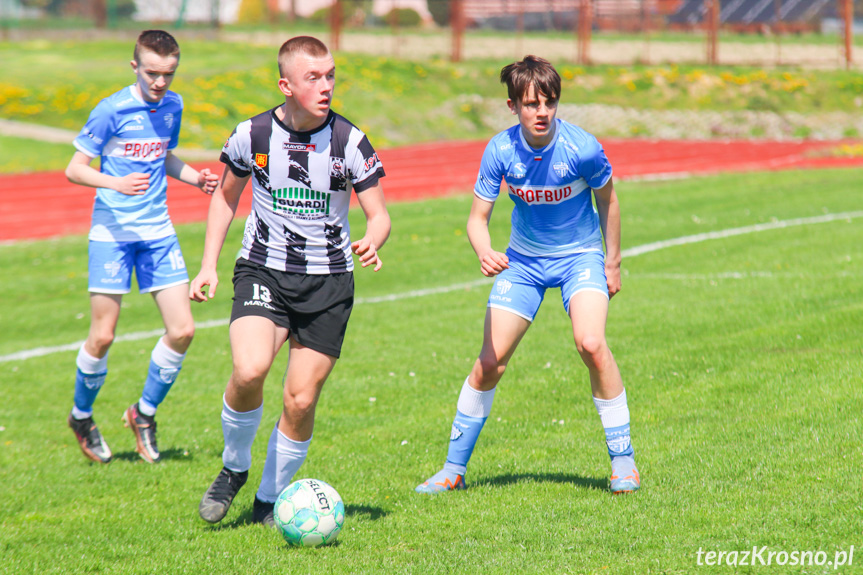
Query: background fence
[803, 32]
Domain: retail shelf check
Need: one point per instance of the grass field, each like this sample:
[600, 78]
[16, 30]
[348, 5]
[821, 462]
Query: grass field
[741, 356]
[396, 101]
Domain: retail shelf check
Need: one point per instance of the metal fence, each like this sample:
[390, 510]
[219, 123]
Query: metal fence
[818, 33]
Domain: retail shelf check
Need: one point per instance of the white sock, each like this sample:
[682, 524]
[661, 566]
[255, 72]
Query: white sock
[475, 403]
[239, 430]
[284, 458]
[89, 364]
[613, 412]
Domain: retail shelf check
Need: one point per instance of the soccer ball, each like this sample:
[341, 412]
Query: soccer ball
[309, 513]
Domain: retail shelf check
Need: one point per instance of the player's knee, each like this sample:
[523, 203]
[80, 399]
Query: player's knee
[180, 337]
[593, 350]
[101, 341]
[490, 369]
[248, 375]
[300, 404]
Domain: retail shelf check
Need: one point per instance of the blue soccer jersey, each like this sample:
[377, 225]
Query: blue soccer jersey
[551, 188]
[131, 135]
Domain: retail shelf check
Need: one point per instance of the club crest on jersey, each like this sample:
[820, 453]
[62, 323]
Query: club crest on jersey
[561, 169]
[337, 168]
[298, 147]
[169, 120]
[261, 160]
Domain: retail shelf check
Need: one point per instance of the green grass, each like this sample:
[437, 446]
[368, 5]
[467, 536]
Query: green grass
[21, 155]
[741, 358]
[395, 101]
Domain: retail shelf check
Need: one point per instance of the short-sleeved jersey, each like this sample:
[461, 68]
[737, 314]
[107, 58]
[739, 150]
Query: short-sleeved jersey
[301, 185]
[132, 135]
[551, 188]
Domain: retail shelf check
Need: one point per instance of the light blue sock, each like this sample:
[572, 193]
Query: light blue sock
[462, 440]
[89, 378]
[165, 364]
[614, 414]
[618, 441]
[473, 409]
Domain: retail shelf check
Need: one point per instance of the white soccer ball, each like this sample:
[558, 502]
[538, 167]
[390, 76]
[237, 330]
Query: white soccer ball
[309, 512]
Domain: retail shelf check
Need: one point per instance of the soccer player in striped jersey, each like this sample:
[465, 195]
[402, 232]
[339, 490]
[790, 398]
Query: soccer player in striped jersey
[551, 169]
[293, 279]
[134, 132]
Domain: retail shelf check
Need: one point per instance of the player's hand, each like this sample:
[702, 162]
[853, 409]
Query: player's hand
[612, 276]
[492, 263]
[368, 253]
[134, 184]
[208, 181]
[208, 279]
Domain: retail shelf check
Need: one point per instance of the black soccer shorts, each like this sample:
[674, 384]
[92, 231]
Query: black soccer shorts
[315, 308]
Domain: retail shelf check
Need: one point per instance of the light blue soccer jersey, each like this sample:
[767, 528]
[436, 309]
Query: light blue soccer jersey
[551, 188]
[132, 135]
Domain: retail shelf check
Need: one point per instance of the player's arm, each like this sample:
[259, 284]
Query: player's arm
[491, 262]
[377, 227]
[180, 170]
[608, 209]
[79, 171]
[223, 206]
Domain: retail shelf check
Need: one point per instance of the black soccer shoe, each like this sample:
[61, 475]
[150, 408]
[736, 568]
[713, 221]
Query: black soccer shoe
[218, 498]
[90, 441]
[144, 428]
[262, 512]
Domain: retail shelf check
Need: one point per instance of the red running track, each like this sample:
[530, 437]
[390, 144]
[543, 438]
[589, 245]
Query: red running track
[42, 205]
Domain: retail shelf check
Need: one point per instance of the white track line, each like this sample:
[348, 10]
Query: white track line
[628, 253]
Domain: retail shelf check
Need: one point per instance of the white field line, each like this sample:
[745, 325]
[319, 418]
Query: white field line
[628, 253]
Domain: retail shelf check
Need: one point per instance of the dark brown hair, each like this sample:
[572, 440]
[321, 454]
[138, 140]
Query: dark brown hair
[157, 41]
[300, 45]
[531, 71]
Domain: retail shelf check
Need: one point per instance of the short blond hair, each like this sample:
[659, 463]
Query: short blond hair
[300, 45]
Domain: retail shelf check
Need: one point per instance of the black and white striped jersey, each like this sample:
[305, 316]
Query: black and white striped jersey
[301, 184]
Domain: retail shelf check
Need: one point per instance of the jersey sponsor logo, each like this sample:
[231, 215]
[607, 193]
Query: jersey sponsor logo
[228, 141]
[298, 147]
[505, 147]
[561, 169]
[301, 201]
[143, 149]
[122, 103]
[260, 159]
[169, 120]
[132, 128]
[518, 171]
[371, 162]
[542, 196]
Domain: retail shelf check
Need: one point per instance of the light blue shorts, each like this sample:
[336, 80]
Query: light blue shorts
[520, 288]
[158, 264]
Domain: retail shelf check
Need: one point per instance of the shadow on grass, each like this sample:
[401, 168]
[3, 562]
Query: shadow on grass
[577, 480]
[355, 512]
[365, 512]
[166, 455]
